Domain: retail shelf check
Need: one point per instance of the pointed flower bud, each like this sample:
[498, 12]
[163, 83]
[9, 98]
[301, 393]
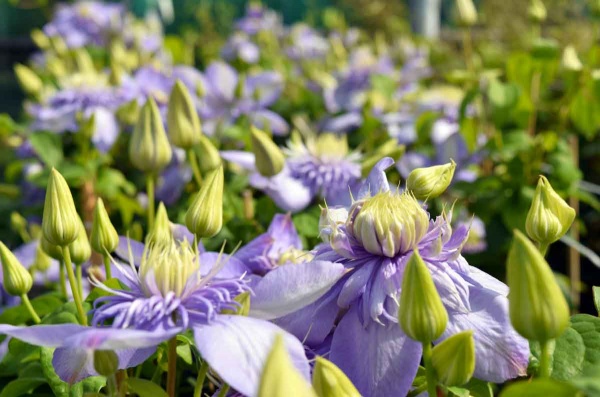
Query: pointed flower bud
[538, 309]
[52, 250]
[430, 182]
[570, 59]
[40, 39]
[422, 314]
[149, 148]
[28, 80]
[161, 231]
[104, 238]
[329, 381]
[42, 260]
[80, 249]
[269, 157]
[60, 222]
[182, 118]
[204, 218]
[17, 280]
[208, 155]
[129, 113]
[467, 13]
[549, 216]
[537, 11]
[106, 362]
[454, 359]
[280, 378]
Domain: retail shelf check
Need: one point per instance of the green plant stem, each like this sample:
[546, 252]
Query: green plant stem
[193, 160]
[429, 371]
[79, 276]
[62, 279]
[150, 193]
[172, 366]
[27, 303]
[111, 385]
[468, 50]
[543, 247]
[545, 369]
[107, 266]
[200, 379]
[74, 287]
[224, 390]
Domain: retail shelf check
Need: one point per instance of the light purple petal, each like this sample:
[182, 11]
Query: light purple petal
[377, 180]
[137, 249]
[284, 233]
[343, 123]
[379, 360]
[232, 268]
[222, 80]
[106, 129]
[236, 347]
[291, 287]
[268, 120]
[288, 193]
[243, 159]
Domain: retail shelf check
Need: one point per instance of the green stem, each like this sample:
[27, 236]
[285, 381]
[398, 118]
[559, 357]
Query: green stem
[545, 369]
[63, 281]
[200, 379]
[543, 247]
[429, 371]
[107, 266]
[111, 385]
[172, 366]
[194, 164]
[150, 193]
[468, 50]
[78, 275]
[74, 288]
[224, 390]
[29, 307]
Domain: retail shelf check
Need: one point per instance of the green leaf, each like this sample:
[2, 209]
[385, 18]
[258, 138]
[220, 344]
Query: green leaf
[60, 388]
[19, 353]
[48, 147]
[584, 112]
[503, 95]
[589, 382]
[21, 386]
[93, 384]
[306, 224]
[539, 388]
[589, 329]
[568, 355]
[459, 391]
[480, 388]
[596, 291]
[42, 305]
[145, 388]
[112, 283]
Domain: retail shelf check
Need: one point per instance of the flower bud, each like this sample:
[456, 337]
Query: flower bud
[208, 156]
[104, 238]
[80, 249]
[280, 378]
[570, 59]
[42, 260]
[17, 222]
[549, 216]
[106, 362]
[182, 118]
[204, 218]
[52, 250]
[28, 80]
[467, 13]
[421, 313]
[40, 39]
[430, 182]
[60, 222]
[161, 231]
[537, 11]
[329, 381]
[84, 61]
[269, 158]
[454, 359]
[537, 307]
[17, 280]
[129, 113]
[149, 148]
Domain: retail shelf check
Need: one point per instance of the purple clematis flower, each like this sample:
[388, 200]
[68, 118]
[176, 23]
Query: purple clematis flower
[307, 44]
[239, 46]
[357, 316]
[259, 19]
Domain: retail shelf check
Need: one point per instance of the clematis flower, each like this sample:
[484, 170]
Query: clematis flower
[321, 166]
[168, 294]
[306, 44]
[239, 46]
[357, 316]
[259, 19]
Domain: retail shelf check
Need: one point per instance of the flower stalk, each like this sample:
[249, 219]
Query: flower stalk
[200, 379]
[29, 306]
[150, 193]
[429, 370]
[172, 366]
[74, 286]
[193, 160]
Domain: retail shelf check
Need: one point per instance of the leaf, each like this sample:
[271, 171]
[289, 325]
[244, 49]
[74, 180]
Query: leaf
[589, 382]
[584, 112]
[48, 147]
[42, 305]
[568, 355]
[503, 95]
[60, 388]
[539, 388]
[93, 384]
[589, 329]
[145, 388]
[306, 224]
[596, 291]
[21, 386]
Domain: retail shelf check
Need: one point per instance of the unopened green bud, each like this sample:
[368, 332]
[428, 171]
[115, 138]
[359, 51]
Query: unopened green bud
[570, 59]
[208, 155]
[17, 280]
[421, 313]
[280, 378]
[104, 238]
[549, 216]
[84, 61]
[204, 218]
[40, 39]
[60, 222]
[430, 182]
[467, 13]
[17, 222]
[80, 249]
[538, 309]
[454, 359]
[106, 362]
[129, 113]
[329, 381]
[243, 309]
[269, 158]
[161, 231]
[149, 148]
[56, 67]
[42, 260]
[116, 73]
[182, 118]
[537, 11]
[58, 45]
[52, 250]
[28, 80]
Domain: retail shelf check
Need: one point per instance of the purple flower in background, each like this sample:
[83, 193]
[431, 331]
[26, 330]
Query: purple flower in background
[86, 23]
[239, 46]
[259, 19]
[306, 44]
[357, 315]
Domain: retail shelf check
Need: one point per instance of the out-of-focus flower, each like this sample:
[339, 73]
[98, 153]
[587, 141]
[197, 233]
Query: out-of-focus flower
[239, 46]
[259, 19]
